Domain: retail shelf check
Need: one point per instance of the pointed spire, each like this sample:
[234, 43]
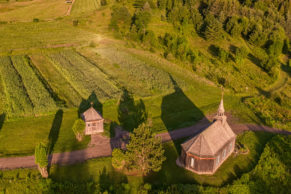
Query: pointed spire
[220, 111]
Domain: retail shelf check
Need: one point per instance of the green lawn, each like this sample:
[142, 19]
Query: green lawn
[21, 136]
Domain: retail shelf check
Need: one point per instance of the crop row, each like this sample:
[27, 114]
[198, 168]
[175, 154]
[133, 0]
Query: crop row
[18, 102]
[41, 99]
[60, 86]
[138, 75]
[83, 76]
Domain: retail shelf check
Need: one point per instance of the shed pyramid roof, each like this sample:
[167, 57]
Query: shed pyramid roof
[211, 140]
[91, 115]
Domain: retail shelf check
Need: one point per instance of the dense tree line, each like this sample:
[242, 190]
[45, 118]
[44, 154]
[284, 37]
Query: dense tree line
[263, 24]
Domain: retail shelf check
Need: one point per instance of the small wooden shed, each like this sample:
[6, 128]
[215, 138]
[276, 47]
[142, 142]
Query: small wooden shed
[204, 153]
[93, 120]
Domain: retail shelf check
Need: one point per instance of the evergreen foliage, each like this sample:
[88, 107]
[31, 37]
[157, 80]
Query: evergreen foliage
[213, 29]
[144, 152]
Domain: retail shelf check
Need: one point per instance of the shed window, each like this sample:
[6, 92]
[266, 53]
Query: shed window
[230, 146]
[192, 162]
[88, 124]
[218, 160]
[224, 153]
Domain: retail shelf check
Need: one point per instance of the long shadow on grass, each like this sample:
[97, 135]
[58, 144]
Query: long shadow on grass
[130, 113]
[177, 111]
[86, 103]
[2, 119]
[55, 130]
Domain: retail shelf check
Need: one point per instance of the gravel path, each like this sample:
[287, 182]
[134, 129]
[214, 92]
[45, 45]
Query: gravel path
[101, 146]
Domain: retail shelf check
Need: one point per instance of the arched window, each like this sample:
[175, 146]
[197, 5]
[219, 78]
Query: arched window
[192, 162]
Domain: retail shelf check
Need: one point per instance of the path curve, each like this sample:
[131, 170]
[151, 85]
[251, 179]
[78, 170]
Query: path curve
[102, 146]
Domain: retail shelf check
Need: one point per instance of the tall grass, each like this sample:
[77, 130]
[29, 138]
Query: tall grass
[18, 102]
[40, 97]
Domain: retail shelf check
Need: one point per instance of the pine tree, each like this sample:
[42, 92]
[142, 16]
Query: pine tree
[144, 152]
[213, 29]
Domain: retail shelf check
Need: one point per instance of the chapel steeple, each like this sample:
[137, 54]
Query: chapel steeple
[220, 112]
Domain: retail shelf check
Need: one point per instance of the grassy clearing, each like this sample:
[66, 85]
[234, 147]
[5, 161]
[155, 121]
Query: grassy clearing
[83, 76]
[57, 82]
[18, 102]
[81, 7]
[16, 140]
[39, 96]
[28, 10]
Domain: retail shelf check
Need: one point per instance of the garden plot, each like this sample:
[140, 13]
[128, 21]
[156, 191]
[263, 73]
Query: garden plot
[139, 76]
[18, 102]
[39, 96]
[60, 86]
[84, 77]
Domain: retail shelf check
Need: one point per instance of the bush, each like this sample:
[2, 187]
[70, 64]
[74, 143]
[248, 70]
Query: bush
[35, 20]
[223, 55]
[240, 54]
[78, 129]
[41, 158]
[75, 22]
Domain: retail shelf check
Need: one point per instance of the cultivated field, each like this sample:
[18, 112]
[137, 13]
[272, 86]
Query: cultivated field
[85, 6]
[28, 10]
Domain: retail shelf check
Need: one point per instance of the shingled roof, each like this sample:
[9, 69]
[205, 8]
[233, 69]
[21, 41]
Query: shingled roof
[211, 140]
[91, 115]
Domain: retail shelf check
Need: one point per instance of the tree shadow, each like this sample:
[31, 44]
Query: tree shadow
[131, 113]
[55, 130]
[85, 104]
[264, 92]
[2, 120]
[109, 179]
[179, 111]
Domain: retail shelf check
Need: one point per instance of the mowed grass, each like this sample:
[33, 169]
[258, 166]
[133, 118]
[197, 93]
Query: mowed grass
[26, 37]
[21, 136]
[81, 7]
[28, 10]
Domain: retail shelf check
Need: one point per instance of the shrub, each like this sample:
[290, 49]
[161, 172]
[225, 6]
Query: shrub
[41, 158]
[240, 54]
[75, 22]
[223, 55]
[118, 158]
[78, 129]
[35, 20]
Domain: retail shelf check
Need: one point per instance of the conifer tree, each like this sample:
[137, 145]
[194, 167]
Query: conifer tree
[144, 152]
